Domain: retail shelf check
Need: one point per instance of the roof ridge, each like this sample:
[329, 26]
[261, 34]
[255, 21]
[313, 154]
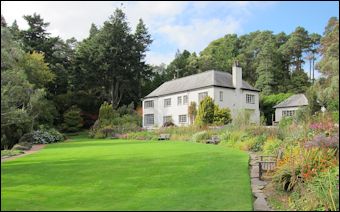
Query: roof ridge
[194, 75]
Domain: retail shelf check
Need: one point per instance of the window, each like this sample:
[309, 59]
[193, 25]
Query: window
[149, 119]
[182, 118]
[201, 96]
[221, 96]
[148, 104]
[167, 119]
[167, 102]
[185, 100]
[179, 100]
[288, 112]
[250, 99]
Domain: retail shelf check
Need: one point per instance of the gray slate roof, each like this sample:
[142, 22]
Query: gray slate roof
[196, 81]
[293, 101]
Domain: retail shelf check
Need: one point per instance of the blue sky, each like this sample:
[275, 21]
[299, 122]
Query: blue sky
[178, 25]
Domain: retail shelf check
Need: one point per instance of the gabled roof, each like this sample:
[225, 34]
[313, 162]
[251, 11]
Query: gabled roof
[293, 101]
[196, 81]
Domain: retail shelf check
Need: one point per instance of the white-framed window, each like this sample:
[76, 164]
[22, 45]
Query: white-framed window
[185, 99]
[148, 104]
[179, 100]
[250, 98]
[221, 96]
[167, 102]
[167, 119]
[182, 118]
[288, 113]
[149, 119]
[201, 96]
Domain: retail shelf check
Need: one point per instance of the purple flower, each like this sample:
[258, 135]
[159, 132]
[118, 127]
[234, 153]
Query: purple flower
[323, 141]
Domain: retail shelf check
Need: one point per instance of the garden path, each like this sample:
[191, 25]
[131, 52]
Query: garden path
[257, 185]
[34, 149]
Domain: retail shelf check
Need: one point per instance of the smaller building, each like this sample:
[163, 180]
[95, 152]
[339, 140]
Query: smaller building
[289, 106]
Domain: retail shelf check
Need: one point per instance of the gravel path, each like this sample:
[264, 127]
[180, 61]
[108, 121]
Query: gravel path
[34, 149]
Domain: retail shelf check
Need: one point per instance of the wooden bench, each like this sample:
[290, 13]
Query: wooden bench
[164, 137]
[268, 162]
[214, 140]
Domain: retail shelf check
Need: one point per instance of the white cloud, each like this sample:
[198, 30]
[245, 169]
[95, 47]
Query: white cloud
[175, 25]
[155, 58]
[199, 33]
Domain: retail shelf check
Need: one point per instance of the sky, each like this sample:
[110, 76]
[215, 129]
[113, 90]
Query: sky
[177, 25]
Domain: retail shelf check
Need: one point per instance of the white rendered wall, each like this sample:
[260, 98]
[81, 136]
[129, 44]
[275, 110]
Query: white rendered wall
[278, 112]
[234, 99]
[174, 110]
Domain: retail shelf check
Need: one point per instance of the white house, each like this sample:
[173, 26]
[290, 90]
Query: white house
[170, 101]
[289, 106]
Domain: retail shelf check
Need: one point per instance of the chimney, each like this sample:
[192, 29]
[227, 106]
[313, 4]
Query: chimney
[237, 75]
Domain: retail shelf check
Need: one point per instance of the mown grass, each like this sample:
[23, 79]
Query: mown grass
[84, 174]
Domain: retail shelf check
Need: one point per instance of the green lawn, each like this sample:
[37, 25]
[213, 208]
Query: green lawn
[127, 175]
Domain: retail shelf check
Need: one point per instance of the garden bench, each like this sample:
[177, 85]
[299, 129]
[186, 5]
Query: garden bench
[164, 137]
[268, 162]
[214, 140]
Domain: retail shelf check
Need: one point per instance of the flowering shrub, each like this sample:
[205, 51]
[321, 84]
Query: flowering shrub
[321, 193]
[43, 137]
[300, 165]
[324, 141]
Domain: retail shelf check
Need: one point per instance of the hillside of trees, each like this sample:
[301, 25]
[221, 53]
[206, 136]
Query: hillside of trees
[43, 76]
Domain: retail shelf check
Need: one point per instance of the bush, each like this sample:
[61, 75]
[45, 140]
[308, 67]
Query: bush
[72, 120]
[200, 137]
[242, 119]
[272, 146]
[257, 144]
[319, 194]
[43, 137]
[143, 135]
[111, 122]
[221, 116]
[300, 165]
[11, 152]
[22, 146]
[205, 113]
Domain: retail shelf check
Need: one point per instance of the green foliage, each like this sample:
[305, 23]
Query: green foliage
[10, 153]
[257, 144]
[143, 135]
[200, 137]
[110, 121]
[301, 165]
[192, 111]
[209, 113]
[242, 119]
[222, 116]
[267, 102]
[38, 72]
[272, 146]
[284, 127]
[205, 114]
[43, 136]
[72, 120]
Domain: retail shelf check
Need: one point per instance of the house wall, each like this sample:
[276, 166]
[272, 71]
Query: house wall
[234, 99]
[278, 112]
[174, 110]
